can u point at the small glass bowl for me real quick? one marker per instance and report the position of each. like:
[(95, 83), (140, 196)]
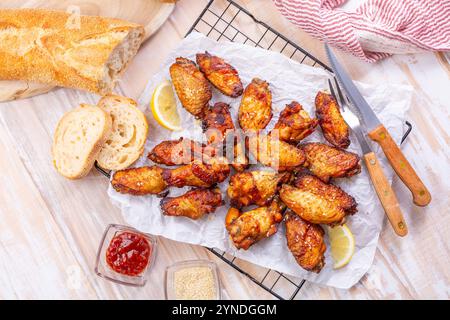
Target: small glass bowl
[(102, 268), (170, 272)]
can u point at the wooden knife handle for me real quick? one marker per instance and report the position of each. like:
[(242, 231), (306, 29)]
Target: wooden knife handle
[(421, 195), (386, 195)]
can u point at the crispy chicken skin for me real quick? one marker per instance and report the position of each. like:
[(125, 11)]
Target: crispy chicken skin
[(255, 187), (217, 122), (193, 204), (198, 174), (221, 74), (249, 227), (327, 162), (255, 110), (191, 86), (139, 181), (294, 123), (181, 151), (316, 201), (153, 180), (275, 153), (305, 241), (241, 161), (334, 128)]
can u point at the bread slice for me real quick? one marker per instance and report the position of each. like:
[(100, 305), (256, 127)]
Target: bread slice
[(53, 47), (129, 132), (78, 140)]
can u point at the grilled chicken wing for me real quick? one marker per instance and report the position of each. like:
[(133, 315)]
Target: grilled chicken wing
[(217, 123), (294, 123), (193, 204), (181, 151), (255, 187), (153, 180), (191, 86), (247, 228), (221, 74), (305, 241), (274, 153), (255, 110), (139, 181), (198, 174), (318, 202), (327, 162), (334, 128)]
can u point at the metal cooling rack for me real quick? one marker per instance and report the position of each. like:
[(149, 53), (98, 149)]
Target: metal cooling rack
[(225, 20)]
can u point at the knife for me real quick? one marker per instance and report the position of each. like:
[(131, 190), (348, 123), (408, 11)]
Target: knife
[(378, 133), (380, 183)]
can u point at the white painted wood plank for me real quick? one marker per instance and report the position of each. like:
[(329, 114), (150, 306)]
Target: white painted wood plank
[(36, 261)]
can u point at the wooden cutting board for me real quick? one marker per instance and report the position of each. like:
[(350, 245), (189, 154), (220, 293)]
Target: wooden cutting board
[(150, 13)]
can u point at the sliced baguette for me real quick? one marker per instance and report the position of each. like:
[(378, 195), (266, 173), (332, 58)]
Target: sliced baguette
[(56, 48), (78, 140), (129, 132)]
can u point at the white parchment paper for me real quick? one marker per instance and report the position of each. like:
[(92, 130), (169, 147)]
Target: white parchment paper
[(289, 81)]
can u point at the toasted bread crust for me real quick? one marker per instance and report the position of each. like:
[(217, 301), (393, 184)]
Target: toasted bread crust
[(52, 47)]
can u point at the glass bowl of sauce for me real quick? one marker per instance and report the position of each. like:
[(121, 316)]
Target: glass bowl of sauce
[(125, 255)]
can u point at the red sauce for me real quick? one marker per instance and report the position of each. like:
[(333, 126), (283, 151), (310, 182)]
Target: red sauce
[(128, 253)]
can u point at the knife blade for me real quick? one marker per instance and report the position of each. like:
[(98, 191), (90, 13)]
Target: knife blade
[(369, 117), (378, 133)]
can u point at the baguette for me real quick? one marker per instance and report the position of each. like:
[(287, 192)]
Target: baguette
[(125, 143), (78, 139), (52, 47)]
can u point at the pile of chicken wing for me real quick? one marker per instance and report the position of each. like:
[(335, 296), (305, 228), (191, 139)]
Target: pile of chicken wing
[(297, 187)]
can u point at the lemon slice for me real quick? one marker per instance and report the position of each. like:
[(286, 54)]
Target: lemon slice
[(342, 245), (164, 107)]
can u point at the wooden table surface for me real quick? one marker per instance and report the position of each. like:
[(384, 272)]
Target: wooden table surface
[(50, 227)]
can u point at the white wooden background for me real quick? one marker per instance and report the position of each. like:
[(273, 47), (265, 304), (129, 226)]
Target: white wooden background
[(50, 227)]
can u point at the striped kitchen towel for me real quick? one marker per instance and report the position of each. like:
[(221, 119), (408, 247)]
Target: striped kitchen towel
[(377, 28)]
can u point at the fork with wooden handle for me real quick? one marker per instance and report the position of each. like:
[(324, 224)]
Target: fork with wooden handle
[(386, 194), (381, 184), (378, 133)]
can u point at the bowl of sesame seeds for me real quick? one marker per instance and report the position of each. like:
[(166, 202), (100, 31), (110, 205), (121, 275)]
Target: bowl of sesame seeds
[(193, 280)]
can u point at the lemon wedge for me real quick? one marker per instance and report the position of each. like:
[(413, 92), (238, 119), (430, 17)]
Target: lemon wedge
[(342, 245), (164, 107)]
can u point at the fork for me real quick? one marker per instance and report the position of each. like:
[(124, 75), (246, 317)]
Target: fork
[(381, 184)]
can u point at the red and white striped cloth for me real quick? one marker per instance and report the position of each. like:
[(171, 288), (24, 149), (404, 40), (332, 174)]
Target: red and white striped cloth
[(377, 28)]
